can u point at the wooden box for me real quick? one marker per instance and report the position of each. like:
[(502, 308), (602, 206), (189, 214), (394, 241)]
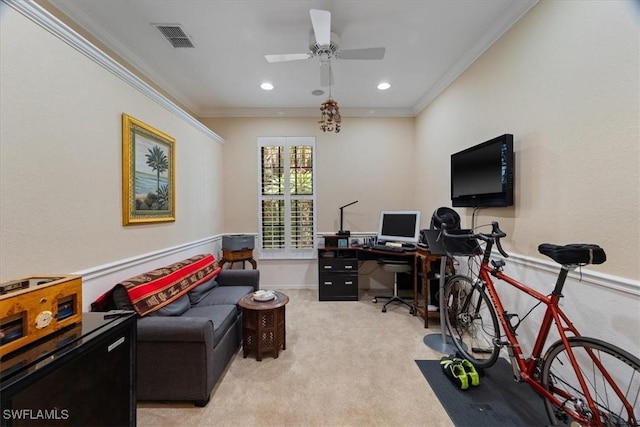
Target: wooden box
[(34, 307)]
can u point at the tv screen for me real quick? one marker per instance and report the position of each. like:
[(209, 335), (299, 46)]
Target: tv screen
[(482, 175), (399, 226)]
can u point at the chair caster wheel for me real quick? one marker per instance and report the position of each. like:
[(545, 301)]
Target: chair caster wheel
[(384, 310), (374, 300)]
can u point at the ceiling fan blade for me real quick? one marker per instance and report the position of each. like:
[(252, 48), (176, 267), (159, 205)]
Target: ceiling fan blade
[(326, 76), (368, 53), (287, 57), (321, 21)]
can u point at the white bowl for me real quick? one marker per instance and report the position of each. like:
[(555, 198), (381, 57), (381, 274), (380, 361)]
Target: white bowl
[(263, 295)]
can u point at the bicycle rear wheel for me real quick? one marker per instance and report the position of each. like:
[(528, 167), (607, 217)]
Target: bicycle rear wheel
[(472, 321), (613, 409)]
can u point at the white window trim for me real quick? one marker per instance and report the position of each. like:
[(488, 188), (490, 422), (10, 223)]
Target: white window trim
[(287, 253)]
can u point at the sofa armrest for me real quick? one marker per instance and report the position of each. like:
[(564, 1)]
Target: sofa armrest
[(175, 329), (239, 278)]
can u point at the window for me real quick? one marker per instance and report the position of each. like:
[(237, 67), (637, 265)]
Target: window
[(287, 199)]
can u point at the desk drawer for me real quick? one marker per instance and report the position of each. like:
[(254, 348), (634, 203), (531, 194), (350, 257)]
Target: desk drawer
[(328, 265), (338, 287)]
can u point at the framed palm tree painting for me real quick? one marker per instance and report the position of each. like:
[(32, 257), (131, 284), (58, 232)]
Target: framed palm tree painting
[(148, 174)]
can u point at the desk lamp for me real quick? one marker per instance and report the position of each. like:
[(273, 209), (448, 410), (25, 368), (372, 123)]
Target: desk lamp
[(343, 232)]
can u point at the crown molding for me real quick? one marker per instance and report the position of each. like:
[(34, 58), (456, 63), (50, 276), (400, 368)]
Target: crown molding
[(517, 10), (53, 25), (305, 112)]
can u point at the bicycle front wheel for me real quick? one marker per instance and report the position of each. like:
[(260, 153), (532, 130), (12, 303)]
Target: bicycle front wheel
[(472, 321), (612, 377)]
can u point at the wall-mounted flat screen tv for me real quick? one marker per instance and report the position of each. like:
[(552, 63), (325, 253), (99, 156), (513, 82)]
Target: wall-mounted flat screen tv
[(482, 175)]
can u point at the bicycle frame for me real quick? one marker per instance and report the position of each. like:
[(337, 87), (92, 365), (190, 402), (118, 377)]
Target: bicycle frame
[(527, 368)]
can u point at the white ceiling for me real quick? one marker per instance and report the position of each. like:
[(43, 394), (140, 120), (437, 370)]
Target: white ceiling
[(428, 44)]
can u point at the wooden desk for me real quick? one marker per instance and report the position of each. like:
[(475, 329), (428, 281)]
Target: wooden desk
[(237, 256), (338, 274), (338, 270)]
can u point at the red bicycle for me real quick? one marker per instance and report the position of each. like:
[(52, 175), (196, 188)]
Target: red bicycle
[(584, 381)]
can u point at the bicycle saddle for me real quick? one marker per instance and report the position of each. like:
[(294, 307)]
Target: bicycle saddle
[(574, 253)]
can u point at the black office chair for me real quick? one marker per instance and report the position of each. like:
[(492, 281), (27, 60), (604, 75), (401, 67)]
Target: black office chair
[(395, 267)]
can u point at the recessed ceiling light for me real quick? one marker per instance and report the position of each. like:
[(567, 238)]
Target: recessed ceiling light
[(317, 92), (266, 86), (384, 86)]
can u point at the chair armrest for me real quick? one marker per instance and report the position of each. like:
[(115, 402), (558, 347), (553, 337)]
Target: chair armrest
[(239, 278), (175, 328)]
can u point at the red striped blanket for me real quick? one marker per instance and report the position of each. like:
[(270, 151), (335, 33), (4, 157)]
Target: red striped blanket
[(155, 289)]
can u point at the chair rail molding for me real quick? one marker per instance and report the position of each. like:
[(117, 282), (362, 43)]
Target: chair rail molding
[(609, 281), (99, 279)]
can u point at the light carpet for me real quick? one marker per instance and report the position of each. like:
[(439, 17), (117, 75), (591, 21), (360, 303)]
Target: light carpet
[(346, 364)]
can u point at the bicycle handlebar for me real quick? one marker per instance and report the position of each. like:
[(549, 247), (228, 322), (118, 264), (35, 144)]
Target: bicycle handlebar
[(494, 237), (498, 234)]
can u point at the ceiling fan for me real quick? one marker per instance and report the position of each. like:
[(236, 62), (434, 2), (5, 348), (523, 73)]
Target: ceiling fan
[(325, 45)]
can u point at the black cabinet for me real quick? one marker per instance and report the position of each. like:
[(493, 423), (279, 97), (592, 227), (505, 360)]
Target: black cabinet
[(81, 375), (337, 274)]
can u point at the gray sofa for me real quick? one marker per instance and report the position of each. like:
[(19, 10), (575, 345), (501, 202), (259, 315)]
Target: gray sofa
[(184, 347)]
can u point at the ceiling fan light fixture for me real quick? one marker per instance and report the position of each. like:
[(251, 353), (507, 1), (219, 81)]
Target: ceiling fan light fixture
[(384, 86), (266, 86)]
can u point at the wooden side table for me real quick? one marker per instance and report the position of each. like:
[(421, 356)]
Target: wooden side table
[(237, 256), (263, 325)]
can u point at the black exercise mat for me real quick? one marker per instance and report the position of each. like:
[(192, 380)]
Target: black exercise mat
[(497, 401)]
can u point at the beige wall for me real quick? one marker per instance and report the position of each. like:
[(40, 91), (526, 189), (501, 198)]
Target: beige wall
[(60, 161), (574, 114), (351, 166), (565, 82)]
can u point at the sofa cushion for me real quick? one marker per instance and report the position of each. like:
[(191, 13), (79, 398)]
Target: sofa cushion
[(222, 316), (176, 308), (225, 295), (199, 292)]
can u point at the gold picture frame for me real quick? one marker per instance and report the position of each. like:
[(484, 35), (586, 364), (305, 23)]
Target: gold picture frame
[(148, 174)]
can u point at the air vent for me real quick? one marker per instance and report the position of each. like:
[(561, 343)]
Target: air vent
[(176, 36)]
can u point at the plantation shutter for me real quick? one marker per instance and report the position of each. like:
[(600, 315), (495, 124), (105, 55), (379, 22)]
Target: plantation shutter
[(287, 197)]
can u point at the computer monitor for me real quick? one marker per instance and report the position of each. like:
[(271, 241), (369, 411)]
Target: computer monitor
[(399, 226)]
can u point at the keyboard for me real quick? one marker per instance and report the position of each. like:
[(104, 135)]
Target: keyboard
[(387, 248)]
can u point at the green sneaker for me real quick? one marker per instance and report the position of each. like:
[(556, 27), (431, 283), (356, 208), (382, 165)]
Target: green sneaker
[(455, 372), (471, 372)]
